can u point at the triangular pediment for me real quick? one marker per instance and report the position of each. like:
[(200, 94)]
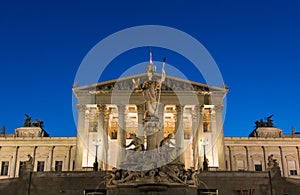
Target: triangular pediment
[(127, 84)]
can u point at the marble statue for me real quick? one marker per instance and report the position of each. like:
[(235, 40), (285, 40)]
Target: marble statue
[(167, 141), (160, 162), (272, 163), (151, 90), (137, 142)]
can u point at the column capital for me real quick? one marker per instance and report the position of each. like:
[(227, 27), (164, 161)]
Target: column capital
[(199, 109), (101, 108), (161, 108), (140, 108), (81, 107), (69, 147), (121, 108), (179, 108), (219, 107), (51, 148), (107, 112)]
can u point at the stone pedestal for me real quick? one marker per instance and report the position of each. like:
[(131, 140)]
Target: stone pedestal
[(30, 132), (152, 127)]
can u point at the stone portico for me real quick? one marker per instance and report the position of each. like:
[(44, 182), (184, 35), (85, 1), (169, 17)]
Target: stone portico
[(109, 111)]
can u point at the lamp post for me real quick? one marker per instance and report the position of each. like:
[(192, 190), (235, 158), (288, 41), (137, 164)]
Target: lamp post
[(96, 143), (205, 163)]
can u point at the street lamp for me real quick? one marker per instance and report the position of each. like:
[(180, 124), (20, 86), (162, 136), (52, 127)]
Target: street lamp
[(96, 143), (205, 163)]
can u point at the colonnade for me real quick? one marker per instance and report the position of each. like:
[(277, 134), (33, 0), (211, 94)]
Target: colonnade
[(103, 116)]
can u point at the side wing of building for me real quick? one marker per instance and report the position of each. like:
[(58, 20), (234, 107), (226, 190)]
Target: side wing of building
[(47, 153)]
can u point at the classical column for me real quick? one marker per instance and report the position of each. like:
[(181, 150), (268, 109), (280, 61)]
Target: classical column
[(199, 112), (105, 137), (140, 115), (160, 133), (101, 134), (220, 137), (121, 133), (179, 132), (195, 128), (247, 158), (14, 163), (80, 137)]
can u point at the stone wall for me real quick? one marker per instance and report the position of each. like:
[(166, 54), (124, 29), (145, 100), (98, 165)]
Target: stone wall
[(76, 182)]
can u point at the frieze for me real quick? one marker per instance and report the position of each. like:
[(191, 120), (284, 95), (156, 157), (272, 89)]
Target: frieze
[(169, 85)]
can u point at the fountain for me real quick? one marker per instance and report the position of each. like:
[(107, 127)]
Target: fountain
[(157, 167)]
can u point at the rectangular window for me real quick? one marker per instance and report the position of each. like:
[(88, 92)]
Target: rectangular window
[(58, 166), (4, 167), (206, 127), (258, 167), (293, 172), (114, 134), (40, 166)]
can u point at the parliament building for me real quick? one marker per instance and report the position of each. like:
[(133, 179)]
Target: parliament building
[(116, 117)]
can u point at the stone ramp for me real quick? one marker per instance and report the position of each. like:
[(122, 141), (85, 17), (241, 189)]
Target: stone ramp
[(44, 183)]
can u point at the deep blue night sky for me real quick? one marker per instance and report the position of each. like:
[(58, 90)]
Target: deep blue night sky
[(256, 45)]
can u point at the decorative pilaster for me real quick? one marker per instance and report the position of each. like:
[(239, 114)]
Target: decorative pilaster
[(230, 157), (80, 137), (121, 133), (283, 162), (34, 154), (68, 158), (106, 135), (220, 136), (265, 157), (15, 160), (247, 158), (50, 160), (179, 132), (298, 159)]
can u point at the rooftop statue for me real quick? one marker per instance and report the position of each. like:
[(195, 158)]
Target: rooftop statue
[(29, 123)]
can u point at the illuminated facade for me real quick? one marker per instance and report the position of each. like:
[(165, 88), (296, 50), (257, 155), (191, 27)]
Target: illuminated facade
[(109, 111)]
